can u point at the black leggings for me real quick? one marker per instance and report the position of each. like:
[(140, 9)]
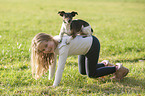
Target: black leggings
[(88, 64)]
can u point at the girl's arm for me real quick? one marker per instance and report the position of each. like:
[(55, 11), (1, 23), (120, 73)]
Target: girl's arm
[(61, 64), (52, 68)]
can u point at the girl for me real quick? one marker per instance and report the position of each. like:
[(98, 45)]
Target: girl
[(45, 49)]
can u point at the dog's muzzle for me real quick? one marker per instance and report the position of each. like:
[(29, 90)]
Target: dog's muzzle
[(67, 21)]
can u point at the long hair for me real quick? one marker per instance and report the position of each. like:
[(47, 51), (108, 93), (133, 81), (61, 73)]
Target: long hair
[(40, 61)]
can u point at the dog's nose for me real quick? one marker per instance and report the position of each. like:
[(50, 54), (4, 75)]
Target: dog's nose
[(69, 21)]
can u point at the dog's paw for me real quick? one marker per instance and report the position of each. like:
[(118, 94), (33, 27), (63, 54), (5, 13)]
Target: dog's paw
[(68, 40), (67, 43), (59, 41), (84, 36), (57, 38)]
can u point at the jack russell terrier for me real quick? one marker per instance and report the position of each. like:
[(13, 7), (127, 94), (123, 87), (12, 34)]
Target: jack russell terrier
[(73, 27)]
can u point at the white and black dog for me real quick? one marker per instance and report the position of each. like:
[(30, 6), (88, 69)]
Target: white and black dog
[(73, 27)]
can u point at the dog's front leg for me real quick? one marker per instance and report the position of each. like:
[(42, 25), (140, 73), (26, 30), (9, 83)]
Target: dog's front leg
[(61, 35)]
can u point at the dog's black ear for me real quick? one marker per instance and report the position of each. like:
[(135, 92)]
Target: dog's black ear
[(74, 13), (61, 13)]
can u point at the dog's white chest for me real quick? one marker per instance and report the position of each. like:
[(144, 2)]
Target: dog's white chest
[(65, 28)]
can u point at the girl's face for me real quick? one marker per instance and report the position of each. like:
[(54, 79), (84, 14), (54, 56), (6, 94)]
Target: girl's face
[(46, 47)]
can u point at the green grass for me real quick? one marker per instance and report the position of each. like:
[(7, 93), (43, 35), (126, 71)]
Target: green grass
[(119, 25)]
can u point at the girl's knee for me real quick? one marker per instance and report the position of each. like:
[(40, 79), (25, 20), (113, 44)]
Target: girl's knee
[(91, 75), (82, 73)]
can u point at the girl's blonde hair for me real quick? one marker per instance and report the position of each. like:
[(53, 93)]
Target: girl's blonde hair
[(39, 61)]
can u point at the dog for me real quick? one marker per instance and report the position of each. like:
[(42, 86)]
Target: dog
[(73, 27)]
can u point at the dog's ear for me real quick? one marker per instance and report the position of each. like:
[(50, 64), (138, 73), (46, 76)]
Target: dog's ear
[(61, 13), (74, 13)]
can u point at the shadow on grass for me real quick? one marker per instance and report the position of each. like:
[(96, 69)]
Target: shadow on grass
[(131, 60), (132, 82), (128, 85)]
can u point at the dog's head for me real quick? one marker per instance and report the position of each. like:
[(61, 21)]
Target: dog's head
[(67, 17)]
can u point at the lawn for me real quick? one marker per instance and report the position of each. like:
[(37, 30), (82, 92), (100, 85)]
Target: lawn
[(118, 24)]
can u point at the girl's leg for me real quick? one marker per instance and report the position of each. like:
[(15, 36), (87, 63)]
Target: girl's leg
[(93, 72), (81, 64), (100, 65), (92, 59)]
